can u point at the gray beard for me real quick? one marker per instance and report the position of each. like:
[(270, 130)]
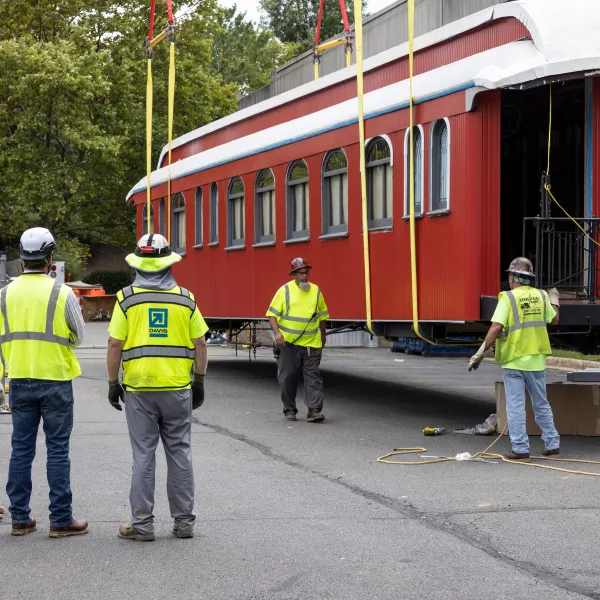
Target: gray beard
[(304, 286)]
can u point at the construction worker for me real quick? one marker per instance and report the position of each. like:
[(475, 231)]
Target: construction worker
[(519, 328), (157, 332), (40, 322), (298, 314)]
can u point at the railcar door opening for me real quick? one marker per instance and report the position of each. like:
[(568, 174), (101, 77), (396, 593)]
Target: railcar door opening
[(554, 244)]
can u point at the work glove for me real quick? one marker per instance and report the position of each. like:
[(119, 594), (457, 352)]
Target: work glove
[(553, 297), (197, 391), (115, 393), (477, 358)]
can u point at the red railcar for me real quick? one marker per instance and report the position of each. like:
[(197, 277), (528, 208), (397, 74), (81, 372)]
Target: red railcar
[(281, 179)]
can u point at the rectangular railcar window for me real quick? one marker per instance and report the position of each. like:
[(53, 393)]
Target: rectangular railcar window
[(335, 193), (440, 166), (297, 201), (418, 171), (178, 225), (235, 201), (198, 217), (379, 183), (265, 207), (214, 214)]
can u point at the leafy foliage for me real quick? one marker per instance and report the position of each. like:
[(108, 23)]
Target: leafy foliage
[(112, 280), (245, 54), (72, 106), (295, 21)]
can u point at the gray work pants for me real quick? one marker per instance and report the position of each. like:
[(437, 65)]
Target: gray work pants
[(293, 361), (168, 416)]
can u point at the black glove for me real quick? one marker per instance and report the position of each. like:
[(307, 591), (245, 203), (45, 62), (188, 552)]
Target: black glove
[(197, 391), (115, 393)]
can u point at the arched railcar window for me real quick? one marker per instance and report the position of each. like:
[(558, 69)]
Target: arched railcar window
[(145, 219), (178, 223), (379, 183), (214, 214), (418, 170), (440, 166), (335, 193), (235, 210), (297, 200), (264, 207), (198, 217)]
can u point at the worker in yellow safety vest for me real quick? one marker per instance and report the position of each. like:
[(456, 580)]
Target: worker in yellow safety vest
[(519, 329), (298, 315), (40, 322), (157, 332)]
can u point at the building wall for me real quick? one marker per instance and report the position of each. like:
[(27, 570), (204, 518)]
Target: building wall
[(383, 30), (501, 31)]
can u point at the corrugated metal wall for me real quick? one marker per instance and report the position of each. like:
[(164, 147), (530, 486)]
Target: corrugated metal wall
[(384, 30)]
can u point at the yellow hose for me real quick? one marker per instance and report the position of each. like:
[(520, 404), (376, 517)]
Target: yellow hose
[(358, 31)]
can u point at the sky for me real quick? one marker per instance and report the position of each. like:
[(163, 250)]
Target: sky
[(251, 6)]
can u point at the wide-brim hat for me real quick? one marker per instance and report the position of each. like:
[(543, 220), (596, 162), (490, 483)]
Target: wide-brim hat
[(153, 264)]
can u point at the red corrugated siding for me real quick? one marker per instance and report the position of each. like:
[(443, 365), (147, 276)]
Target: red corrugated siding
[(489, 105), (483, 38), (241, 283)]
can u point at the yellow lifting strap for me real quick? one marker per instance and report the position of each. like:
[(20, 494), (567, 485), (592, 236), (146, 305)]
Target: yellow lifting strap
[(358, 32), (171, 108)]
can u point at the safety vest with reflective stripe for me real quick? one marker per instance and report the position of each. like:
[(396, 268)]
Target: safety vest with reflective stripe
[(299, 323), (526, 332), (158, 352), (34, 335)]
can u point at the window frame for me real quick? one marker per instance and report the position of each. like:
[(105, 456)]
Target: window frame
[(175, 216), (231, 198), (198, 220), (326, 178), (259, 237), (162, 217), (303, 234), (419, 128), (213, 226), (386, 222), (433, 189), (144, 215)]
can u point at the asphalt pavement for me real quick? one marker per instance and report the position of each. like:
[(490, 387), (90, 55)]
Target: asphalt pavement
[(301, 511)]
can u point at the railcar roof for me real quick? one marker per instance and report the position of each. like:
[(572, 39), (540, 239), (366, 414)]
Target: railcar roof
[(564, 40)]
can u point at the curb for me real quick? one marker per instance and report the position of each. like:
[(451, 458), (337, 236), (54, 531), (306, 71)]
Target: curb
[(571, 363)]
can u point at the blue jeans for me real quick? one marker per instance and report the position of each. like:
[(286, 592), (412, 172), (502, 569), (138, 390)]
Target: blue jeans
[(30, 401), (514, 386)]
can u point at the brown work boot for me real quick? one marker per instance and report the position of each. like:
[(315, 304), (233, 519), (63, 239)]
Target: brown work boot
[(314, 416), (551, 452), (517, 455), (2, 511), (24, 528), (128, 532), (75, 528)]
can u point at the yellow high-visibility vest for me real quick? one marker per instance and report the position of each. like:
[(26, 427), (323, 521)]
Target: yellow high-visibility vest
[(34, 335), (158, 352), (526, 333), (301, 313)]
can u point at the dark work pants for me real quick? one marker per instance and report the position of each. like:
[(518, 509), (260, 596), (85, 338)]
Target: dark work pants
[(294, 360)]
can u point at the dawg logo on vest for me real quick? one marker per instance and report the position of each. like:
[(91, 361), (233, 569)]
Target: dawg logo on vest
[(158, 319), (530, 305)]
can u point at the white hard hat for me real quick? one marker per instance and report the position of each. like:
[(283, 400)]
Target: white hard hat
[(521, 266), (36, 243), (152, 254)]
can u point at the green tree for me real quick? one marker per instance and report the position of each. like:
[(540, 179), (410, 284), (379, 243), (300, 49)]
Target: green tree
[(295, 21), (245, 54), (72, 111)]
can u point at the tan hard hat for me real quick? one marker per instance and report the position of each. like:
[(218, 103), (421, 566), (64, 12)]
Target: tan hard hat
[(298, 263), (521, 266)]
